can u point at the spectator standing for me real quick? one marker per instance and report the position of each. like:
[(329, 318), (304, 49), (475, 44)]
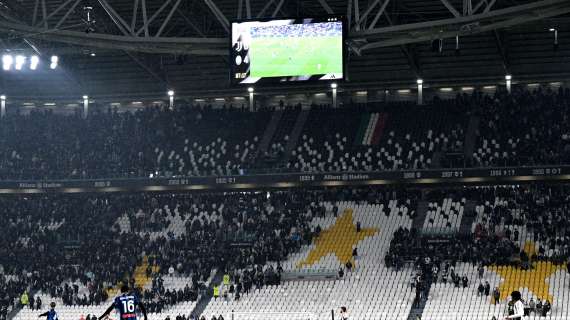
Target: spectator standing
[(480, 289), (487, 288), (481, 271), (546, 308), (24, 299), (216, 292), (496, 295), (532, 305)]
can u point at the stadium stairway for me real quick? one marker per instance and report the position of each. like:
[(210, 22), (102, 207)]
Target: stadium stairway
[(421, 215), (205, 299), (269, 132), (141, 278), (468, 218), (471, 136), (296, 132), (418, 310)]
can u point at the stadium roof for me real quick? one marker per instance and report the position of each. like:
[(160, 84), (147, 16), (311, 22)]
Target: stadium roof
[(183, 44)]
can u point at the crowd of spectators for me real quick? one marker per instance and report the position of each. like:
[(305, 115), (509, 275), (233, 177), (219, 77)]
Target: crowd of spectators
[(109, 144), (508, 219), (61, 245), (521, 128)]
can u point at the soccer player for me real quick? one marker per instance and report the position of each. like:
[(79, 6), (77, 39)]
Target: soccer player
[(126, 304), (51, 314), (516, 307)]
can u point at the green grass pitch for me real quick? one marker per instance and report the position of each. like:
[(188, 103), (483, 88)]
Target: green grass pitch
[(296, 56)]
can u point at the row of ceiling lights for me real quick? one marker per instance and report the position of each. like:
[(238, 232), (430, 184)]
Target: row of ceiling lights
[(333, 86), (19, 61)]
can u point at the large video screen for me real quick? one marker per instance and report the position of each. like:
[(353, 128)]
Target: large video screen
[(287, 50)]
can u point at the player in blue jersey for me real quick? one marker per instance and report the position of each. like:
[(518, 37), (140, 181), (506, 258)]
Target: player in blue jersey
[(51, 314), (126, 305)]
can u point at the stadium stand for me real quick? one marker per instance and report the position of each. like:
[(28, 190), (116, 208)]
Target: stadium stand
[(444, 217), (169, 274), (189, 141), (211, 145), (443, 252), (276, 152), (518, 242), (384, 139), (202, 141), (524, 128), (357, 287), (316, 250), (284, 160)]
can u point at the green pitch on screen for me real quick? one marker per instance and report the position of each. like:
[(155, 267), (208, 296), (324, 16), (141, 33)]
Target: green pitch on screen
[(296, 56)]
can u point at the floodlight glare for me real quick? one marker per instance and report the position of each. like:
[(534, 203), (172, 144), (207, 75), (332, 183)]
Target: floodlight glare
[(250, 89), (2, 97), (85, 97), (508, 77), (170, 93), (54, 62), (20, 60), (420, 81), (334, 85), (7, 61), (34, 61)]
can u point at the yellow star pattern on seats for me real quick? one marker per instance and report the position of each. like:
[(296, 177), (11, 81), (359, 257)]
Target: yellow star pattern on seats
[(338, 240), (535, 279)]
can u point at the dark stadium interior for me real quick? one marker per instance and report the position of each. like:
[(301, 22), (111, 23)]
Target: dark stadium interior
[(431, 182), (524, 50)]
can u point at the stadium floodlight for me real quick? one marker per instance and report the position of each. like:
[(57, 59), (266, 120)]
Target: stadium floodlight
[(54, 62), (2, 106), (334, 85), (509, 79), (20, 60), (171, 98), (555, 37), (7, 61), (34, 61), (250, 89), (420, 83)]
